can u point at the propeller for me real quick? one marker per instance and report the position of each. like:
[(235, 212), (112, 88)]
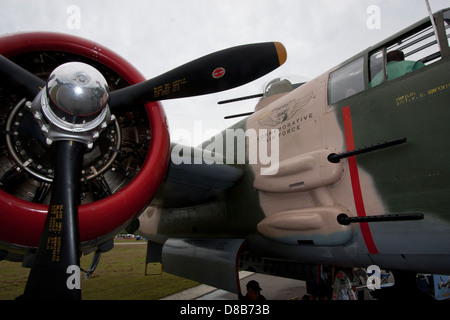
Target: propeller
[(74, 106), (71, 110), (212, 73), (13, 74), (55, 273)]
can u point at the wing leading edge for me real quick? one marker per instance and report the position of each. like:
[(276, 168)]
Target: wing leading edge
[(193, 180)]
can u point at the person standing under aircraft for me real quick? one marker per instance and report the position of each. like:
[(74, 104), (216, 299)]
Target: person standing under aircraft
[(253, 292)]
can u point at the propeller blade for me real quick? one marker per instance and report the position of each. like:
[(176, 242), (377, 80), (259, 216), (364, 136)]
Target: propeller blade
[(17, 76), (215, 72), (56, 269)]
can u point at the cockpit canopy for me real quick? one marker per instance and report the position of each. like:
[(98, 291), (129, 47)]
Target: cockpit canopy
[(412, 49), (282, 85)]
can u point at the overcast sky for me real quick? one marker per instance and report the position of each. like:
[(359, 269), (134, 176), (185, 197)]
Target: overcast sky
[(157, 36)]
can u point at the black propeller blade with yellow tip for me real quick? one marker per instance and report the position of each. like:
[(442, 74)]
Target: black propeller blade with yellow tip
[(212, 73)]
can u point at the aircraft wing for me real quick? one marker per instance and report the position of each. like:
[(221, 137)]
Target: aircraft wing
[(193, 181)]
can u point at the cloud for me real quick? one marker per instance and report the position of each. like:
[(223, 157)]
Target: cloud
[(157, 36)]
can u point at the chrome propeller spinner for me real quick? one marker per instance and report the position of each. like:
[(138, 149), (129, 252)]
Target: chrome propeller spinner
[(73, 104)]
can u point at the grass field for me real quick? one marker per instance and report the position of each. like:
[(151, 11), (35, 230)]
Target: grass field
[(120, 275)]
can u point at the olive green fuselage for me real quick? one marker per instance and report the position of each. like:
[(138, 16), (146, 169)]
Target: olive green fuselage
[(290, 211)]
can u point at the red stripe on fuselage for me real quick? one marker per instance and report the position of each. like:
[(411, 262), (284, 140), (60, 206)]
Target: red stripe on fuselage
[(356, 184)]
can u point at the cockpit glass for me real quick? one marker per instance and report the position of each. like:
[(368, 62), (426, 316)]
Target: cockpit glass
[(277, 85), (346, 81)]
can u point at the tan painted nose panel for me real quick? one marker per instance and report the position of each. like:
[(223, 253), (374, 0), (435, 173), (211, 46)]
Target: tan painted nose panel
[(315, 225)]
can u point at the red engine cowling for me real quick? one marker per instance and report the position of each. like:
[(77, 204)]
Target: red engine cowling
[(22, 221)]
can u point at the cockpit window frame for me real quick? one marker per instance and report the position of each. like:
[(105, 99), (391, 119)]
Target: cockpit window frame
[(346, 81), (414, 35), (420, 45)]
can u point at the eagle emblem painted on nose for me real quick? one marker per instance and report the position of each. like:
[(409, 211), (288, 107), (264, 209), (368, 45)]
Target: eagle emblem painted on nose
[(285, 112)]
